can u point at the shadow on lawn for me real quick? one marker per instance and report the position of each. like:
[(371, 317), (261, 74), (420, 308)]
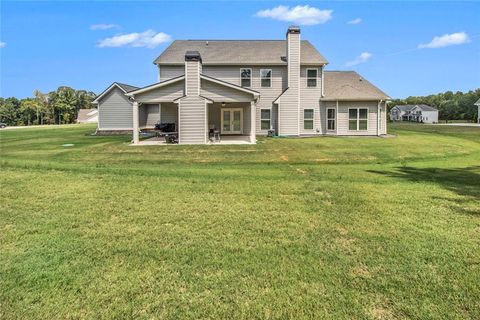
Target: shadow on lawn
[(463, 181)]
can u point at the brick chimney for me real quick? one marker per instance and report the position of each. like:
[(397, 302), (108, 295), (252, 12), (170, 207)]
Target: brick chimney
[(193, 69)]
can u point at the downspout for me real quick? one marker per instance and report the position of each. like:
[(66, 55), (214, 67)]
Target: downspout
[(323, 81), (378, 118)]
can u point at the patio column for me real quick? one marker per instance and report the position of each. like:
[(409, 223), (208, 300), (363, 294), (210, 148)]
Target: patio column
[(135, 123), (253, 117)]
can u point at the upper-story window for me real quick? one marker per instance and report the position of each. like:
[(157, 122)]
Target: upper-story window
[(266, 78), (312, 77), (246, 77)]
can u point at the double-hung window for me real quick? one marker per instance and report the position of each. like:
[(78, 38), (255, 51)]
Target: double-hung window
[(308, 119), (330, 119), (312, 77), (246, 77), (266, 78), (265, 119), (358, 119)]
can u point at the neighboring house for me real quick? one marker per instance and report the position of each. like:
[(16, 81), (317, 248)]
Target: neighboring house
[(87, 116), (478, 114), (246, 87), (415, 113)]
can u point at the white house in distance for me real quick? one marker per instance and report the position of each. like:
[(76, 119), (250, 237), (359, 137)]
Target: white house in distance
[(478, 114), (414, 113)]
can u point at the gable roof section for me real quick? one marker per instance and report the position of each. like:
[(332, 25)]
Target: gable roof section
[(155, 85), (230, 85), (404, 107), (477, 103), (124, 87), (238, 52), (86, 114), (349, 85), (424, 107)]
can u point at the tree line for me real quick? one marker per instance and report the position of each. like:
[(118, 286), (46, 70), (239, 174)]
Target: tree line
[(56, 107), (450, 105)]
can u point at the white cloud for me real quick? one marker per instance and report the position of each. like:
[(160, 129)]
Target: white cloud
[(3, 44), (305, 15), (362, 58), (104, 26), (149, 39), (355, 21), (446, 40)]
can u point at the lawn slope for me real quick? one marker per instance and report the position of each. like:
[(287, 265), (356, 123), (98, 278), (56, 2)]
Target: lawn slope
[(339, 228)]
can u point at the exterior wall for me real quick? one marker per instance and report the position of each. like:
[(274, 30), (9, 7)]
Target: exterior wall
[(396, 114), (342, 118), (310, 97), (231, 74), (289, 106), (169, 72), (192, 78), (167, 93), (149, 115), (115, 111), (192, 127), (169, 113), (430, 116), (383, 116)]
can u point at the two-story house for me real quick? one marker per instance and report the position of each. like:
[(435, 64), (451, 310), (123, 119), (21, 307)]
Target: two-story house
[(246, 88), (415, 113)]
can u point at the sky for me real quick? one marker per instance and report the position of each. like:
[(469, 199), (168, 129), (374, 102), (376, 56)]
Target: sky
[(405, 48)]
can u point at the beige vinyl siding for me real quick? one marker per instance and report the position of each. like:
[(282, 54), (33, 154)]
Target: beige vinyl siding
[(192, 120), (383, 127), (221, 93), (115, 111), (148, 115), (167, 93), (231, 74), (342, 118), (169, 113), (192, 78), (310, 99), (289, 106), (169, 72)]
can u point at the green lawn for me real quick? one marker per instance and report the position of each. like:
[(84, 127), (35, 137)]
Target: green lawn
[(339, 228)]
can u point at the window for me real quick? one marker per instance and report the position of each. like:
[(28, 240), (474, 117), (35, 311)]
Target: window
[(308, 119), (358, 119), (312, 77), (265, 119), (266, 77), (246, 77), (330, 119)]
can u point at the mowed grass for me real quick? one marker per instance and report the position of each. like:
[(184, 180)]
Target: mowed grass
[(317, 228)]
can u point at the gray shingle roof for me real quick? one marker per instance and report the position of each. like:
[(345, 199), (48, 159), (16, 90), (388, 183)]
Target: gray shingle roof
[(349, 85), (238, 52), (409, 107), (86, 114), (127, 87)]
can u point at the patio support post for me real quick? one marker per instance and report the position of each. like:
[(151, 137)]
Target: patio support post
[(253, 116), (135, 123)]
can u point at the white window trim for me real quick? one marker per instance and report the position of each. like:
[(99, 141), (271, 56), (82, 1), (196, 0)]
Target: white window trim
[(251, 77), (334, 119), (265, 119), (271, 78), (309, 119), (306, 77), (358, 118)]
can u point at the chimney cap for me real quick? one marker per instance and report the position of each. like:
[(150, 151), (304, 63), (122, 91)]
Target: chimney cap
[(293, 29), (193, 56)]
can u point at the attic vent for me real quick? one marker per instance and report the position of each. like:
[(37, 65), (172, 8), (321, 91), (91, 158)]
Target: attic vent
[(283, 58)]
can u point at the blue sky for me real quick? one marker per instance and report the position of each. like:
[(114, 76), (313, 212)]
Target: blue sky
[(405, 48)]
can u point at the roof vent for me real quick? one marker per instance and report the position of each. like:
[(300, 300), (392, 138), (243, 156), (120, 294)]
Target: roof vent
[(283, 58), (193, 56)]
